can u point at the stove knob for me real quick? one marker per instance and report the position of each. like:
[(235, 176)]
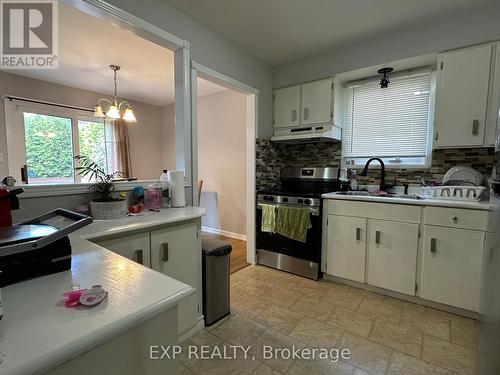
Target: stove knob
[(265, 197), (271, 198), (285, 200), (300, 201), (307, 201)]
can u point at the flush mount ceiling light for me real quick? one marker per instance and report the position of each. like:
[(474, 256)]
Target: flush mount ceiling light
[(115, 111), (384, 81)]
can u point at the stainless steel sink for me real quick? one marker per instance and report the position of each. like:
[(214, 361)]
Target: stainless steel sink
[(368, 194)]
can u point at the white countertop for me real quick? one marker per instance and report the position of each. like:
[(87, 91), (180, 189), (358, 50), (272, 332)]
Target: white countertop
[(37, 332), (476, 205)]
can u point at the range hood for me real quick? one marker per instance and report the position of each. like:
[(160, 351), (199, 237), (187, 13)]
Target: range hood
[(305, 134)]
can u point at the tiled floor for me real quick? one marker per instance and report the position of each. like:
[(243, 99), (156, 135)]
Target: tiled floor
[(384, 335)]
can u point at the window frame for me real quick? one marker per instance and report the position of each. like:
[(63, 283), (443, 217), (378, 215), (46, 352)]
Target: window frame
[(404, 162), (15, 124)]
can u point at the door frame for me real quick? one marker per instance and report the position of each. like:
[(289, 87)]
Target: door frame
[(110, 13), (252, 95)]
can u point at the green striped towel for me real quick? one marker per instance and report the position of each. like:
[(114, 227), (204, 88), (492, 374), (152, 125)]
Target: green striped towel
[(293, 222), (268, 218)]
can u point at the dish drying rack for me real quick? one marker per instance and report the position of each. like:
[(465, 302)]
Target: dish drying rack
[(457, 193)]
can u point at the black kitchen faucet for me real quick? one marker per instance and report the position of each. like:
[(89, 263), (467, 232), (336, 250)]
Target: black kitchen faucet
[(383, 186)]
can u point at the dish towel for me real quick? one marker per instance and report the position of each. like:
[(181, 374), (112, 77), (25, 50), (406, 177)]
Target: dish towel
[(293, 222), (268, 218)]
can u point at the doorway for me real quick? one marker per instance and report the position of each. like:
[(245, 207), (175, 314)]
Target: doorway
[(224, 123)]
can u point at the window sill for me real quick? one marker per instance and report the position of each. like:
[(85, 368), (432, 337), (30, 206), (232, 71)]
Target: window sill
[(48, 190)]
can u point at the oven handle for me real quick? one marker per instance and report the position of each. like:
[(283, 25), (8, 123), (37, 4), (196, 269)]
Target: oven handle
[(314, 210)]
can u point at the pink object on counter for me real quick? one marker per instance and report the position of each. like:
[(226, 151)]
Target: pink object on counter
[(86, 297), (152, 198)]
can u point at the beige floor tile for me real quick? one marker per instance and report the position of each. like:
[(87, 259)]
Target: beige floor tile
[(285, 298), (200, 338), (225, 366), (405, 304), (263, 369), (249, 305), (279, 318), (313, 289), (402, 364), (380, 309), (313, 308), (343, 296), (366, 354), (317, 334), (351, 321), (183, 370), (323, 367), (275, 340), (251, 287), (397, 337), (448, 355), (464, 333), (430, 324), (238, 330)]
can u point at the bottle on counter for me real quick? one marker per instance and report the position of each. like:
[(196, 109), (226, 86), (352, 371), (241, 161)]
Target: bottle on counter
[(152, 198), (165, 189)]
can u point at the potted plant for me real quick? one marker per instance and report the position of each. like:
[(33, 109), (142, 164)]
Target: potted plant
[(107, 205)]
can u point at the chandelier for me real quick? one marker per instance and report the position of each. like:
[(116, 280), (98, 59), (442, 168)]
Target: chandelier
[(115, 110)]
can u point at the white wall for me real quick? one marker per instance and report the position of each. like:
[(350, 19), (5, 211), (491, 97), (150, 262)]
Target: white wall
[(212, 50), (168, 137), (426, 36), (146, 146), (222, 160)]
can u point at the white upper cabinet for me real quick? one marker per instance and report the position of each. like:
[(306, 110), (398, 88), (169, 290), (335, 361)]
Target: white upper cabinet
[(462, 88), (304, 105), (316, 105), (287, 107), (492, 117)]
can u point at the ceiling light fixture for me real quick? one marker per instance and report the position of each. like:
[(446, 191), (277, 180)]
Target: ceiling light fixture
[(114, 111), (384, 81)]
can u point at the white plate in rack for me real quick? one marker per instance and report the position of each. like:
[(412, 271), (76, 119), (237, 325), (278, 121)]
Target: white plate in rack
[(465, 174)]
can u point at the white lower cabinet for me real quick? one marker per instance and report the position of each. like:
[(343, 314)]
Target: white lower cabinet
[(176, 252), (452, 266), (392, 255), (134, 247), (346, 247)]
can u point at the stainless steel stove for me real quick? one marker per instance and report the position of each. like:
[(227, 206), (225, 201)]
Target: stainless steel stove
[(300, 187)]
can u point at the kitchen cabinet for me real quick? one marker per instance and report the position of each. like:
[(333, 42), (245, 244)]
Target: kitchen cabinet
[(462, 94), (134, 247), (346, 247), (316, 104), (304, 105), (392, 255), (287, 107), (452, 266), (176, 252)]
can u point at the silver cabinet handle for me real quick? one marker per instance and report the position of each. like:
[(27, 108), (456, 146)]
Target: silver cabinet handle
[(294, 115), (164, 252), (433, 245), (475, 127), (358, 234), (377, 237), (306, 113), (139, 256)]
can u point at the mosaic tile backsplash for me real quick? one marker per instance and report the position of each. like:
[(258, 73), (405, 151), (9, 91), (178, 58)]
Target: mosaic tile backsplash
[(271, 157)]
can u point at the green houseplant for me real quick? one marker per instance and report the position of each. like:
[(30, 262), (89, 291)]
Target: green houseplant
[(107, 205)]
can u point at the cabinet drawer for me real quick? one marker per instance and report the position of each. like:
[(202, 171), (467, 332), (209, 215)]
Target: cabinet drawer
[(456, 218), (382, 211)]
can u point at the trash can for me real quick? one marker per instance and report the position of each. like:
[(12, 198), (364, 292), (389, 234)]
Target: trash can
[(215, 279)]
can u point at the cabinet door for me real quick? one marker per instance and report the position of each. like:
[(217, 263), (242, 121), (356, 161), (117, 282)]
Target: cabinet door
[(134, 247), (176, 252), (392, 255), (451, 266), (346, 251), (461, 97), (316, 102), (286, 107)]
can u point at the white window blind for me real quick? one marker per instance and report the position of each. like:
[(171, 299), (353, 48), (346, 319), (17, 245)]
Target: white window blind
[(393, 123)]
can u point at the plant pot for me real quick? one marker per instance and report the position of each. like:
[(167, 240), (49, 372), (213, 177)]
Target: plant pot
[(108, 210)]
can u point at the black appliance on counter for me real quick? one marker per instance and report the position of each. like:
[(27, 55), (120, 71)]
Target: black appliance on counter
[(300, 187)]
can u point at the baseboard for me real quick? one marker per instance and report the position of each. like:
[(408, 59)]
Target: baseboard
[(224, 233), (200, 324)]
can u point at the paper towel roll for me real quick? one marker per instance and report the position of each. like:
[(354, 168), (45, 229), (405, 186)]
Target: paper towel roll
[(177, 188)]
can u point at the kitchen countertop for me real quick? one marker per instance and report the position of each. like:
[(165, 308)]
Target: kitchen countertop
[(476, 205), (38, 333)]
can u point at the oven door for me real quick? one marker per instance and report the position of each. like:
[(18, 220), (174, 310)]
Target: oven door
[(308, 251)]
